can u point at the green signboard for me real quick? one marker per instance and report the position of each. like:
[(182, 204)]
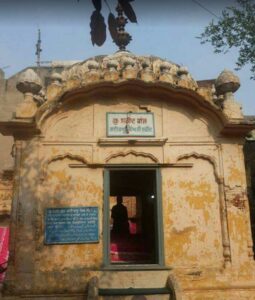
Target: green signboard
[(130, 124)]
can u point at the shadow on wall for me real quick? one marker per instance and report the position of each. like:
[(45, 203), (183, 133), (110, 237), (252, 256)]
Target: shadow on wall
[(249, 152)]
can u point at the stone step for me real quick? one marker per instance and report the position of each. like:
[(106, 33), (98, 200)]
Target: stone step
[(137, 297), (136, 294)]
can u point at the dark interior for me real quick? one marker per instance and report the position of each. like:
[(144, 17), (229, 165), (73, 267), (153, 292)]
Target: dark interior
[(139, 245)]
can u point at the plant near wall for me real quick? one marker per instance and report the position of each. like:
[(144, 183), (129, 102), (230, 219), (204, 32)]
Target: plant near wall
[(115, 24), (235, 28)]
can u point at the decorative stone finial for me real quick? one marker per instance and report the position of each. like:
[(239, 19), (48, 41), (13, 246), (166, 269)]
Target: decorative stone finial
[(56, 78), (165, 72), (111, 72), (182, 72), (93, 73), (123, 38), (112, 64), (119, 67), (227, 82), (130, 70), (147, 73), (54, 89), (145, 64), (128, 62), (92, 65), (165, 67), (29, 82), (30, 85)]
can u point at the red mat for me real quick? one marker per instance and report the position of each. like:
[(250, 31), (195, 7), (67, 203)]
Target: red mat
[(130, 249), (4, 250)]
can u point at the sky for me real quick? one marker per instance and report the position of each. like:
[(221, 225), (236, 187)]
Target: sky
[(166, 28)]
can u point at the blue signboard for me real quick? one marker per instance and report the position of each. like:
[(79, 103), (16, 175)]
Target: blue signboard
[(71, 225)]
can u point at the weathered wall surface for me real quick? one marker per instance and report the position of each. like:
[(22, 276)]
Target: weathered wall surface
[(6, 192), (65, 187), (193, 238), (61, 152), (206, 239)]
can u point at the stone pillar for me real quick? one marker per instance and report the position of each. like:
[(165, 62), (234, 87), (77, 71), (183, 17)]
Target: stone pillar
[(29, 84)]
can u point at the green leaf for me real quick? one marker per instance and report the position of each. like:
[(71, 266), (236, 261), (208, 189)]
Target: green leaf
[(98, 28), (234, 29)]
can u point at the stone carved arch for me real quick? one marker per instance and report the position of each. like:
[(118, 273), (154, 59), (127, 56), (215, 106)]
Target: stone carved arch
[(209, 158), (203, 120), (159, 89), (52, 159), (134, 153), (222, 200), (55, 119)]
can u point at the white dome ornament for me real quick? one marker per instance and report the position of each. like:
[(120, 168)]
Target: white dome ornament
[(111, 73), (147, 72), (226, 85), (30, 85), (165, 72), (56, 78), (93, 71)]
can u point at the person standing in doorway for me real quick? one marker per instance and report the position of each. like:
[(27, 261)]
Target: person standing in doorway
[(120, 218)]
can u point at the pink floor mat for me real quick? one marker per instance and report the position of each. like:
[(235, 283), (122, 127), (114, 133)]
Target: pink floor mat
[(131, 249), (4, 250)]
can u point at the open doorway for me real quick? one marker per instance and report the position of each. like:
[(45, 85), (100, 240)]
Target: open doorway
[(133, 223)]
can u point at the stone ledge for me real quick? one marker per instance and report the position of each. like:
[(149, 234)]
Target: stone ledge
[(127, 141)]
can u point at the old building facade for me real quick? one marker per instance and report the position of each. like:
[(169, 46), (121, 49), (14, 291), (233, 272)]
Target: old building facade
[(139, 128)]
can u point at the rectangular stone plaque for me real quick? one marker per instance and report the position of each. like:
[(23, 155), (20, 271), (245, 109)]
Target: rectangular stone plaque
[(130, 124), (71, 225)]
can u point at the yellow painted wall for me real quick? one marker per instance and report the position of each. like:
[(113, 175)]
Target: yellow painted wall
[(198, 199)]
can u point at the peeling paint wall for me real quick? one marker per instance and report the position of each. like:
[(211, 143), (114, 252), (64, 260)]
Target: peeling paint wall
[(192, 216), (65, 187), (6, 192), (207, 240)]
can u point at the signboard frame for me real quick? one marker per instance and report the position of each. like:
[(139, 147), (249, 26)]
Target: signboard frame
[(127, 114), (62, 242)]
